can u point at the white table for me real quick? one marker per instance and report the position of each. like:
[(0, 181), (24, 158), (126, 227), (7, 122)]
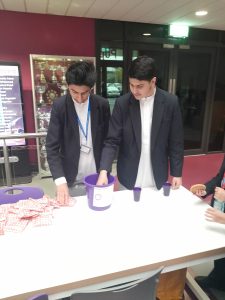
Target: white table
[(85, 247)]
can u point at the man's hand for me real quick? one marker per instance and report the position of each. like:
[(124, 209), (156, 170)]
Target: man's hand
[(176, 182), (102, 178), (219, 194), (214, 215), (200, 193), (62, 194)]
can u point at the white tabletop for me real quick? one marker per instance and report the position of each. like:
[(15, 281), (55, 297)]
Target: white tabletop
[(85, 247)]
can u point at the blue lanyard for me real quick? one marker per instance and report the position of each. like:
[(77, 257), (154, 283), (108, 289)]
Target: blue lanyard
[(87, 122)]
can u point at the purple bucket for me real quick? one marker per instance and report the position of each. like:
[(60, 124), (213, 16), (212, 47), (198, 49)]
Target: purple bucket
[(99, 197)]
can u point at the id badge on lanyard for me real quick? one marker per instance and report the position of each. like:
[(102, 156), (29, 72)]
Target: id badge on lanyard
[(84, 148)]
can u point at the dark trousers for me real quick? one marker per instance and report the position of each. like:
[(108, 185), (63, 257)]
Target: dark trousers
[(218, 274)]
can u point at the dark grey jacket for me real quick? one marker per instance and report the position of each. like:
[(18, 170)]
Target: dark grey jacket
[(215, 181), (63, 140), (124, 136)]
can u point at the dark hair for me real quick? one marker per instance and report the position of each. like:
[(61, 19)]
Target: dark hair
[(81, 73), (142, 68)]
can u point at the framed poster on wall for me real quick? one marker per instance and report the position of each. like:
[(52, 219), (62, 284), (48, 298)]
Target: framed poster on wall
[(11, 103), (12, 122), (48, 83)]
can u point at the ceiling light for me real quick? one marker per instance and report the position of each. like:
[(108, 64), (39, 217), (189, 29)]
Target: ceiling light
[(201, 13), (146, 34)]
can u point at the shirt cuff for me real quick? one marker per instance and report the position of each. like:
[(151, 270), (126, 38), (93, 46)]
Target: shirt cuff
[(60, 180)]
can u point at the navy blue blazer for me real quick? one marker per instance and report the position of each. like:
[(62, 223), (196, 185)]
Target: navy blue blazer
[(63, 139), (124, 137), (215, 181)]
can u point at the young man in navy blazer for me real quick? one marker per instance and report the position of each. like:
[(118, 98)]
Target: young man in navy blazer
[(77, 129), (146, 131)]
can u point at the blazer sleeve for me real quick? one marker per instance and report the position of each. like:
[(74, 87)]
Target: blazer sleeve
[(113, 139), (54, 136), (176, 142), (106, 115), (215, 181)]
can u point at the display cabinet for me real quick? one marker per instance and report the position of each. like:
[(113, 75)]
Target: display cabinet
[(48, 83)]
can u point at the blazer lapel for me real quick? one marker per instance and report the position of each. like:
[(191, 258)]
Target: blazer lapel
[(157, 116), (135, 114), (72, 117)]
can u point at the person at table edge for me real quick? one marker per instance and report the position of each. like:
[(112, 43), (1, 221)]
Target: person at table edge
[(146, 131)]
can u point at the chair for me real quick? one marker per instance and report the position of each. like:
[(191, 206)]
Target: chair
[(139, 289), (25, 192), (39, 297)]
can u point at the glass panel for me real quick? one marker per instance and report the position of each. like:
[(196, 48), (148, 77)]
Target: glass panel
[(23, 160), (217, 131), (111, 54), (114, 86), (192, 83)]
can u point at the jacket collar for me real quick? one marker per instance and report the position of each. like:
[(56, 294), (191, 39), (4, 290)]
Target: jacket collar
[(135, 113), (158, 110)]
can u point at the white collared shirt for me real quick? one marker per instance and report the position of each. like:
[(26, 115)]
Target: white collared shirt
[(145, 176), (86, 164)]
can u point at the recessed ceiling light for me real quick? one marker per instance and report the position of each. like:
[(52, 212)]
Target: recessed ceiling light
[(201, 13), (146, 34)]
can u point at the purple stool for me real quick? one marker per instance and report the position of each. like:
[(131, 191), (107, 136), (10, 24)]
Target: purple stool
[(25, 193), (39, 297)]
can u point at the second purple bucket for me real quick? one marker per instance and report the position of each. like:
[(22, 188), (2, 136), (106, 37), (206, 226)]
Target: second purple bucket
[(99, 197)]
